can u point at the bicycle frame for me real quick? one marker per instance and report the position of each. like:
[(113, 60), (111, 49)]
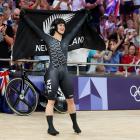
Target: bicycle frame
[(25, 77), (24, 86)]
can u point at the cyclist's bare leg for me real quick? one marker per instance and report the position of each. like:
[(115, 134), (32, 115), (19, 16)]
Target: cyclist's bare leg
[(71, 106), (49, 108)]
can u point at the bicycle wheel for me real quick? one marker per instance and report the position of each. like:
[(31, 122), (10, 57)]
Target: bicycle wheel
[(60, 104), (22, 99)]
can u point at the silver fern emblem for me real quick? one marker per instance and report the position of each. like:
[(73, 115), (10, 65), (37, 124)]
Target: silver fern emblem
[(47, 23)]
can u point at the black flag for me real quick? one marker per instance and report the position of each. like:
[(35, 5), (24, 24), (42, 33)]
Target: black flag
[(34, 24)]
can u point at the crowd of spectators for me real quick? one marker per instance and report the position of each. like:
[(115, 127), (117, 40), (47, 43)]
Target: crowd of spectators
[(120, 32)]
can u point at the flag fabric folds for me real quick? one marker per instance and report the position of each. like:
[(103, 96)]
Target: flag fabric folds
[(113, 7), (35, 24), (4, 79)]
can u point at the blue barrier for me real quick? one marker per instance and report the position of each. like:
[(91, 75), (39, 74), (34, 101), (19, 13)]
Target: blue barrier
[(102, 93)]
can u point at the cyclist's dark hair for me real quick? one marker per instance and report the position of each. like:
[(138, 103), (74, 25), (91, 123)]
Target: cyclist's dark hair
[(54, 25)]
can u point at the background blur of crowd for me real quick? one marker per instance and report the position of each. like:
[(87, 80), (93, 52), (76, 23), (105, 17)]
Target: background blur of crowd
[(118, 22)]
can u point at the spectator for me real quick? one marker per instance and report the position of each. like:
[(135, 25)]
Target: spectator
[(78, 5), (103, 28), (45, 5), (6, 39), (7, 13), (17, 3), (96, 6), (23, 4), (111, 25), (14, 20), (130, 31), (34, 5), (6, 7), (95, 56), (50, 2), (12, 4), (130, 26), (1, 2), (118, 33), (62, 5), (112, 55), (128, 58), (39, 4)]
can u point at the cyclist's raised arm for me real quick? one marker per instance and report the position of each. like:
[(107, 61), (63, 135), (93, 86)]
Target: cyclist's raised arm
[(46, 37), (71, 35)]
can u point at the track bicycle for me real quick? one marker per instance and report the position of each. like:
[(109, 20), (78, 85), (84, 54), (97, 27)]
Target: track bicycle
[(22, 95)]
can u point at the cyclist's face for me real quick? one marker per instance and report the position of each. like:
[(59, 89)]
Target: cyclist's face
[(61, 28)]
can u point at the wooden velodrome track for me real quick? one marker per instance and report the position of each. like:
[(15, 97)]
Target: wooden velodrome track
[(95, 125)]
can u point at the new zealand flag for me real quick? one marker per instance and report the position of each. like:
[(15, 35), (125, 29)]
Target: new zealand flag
[(36, 23)]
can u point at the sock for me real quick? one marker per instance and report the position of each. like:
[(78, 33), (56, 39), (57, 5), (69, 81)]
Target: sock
[(51, 129), (74, 121)]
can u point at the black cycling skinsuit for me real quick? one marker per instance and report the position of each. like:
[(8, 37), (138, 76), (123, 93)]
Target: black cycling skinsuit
[(57, 73)]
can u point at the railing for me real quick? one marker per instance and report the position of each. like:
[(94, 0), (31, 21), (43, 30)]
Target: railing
[(77, 64)]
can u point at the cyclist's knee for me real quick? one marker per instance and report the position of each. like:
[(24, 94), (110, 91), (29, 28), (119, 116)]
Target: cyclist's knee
[(70, 101)]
